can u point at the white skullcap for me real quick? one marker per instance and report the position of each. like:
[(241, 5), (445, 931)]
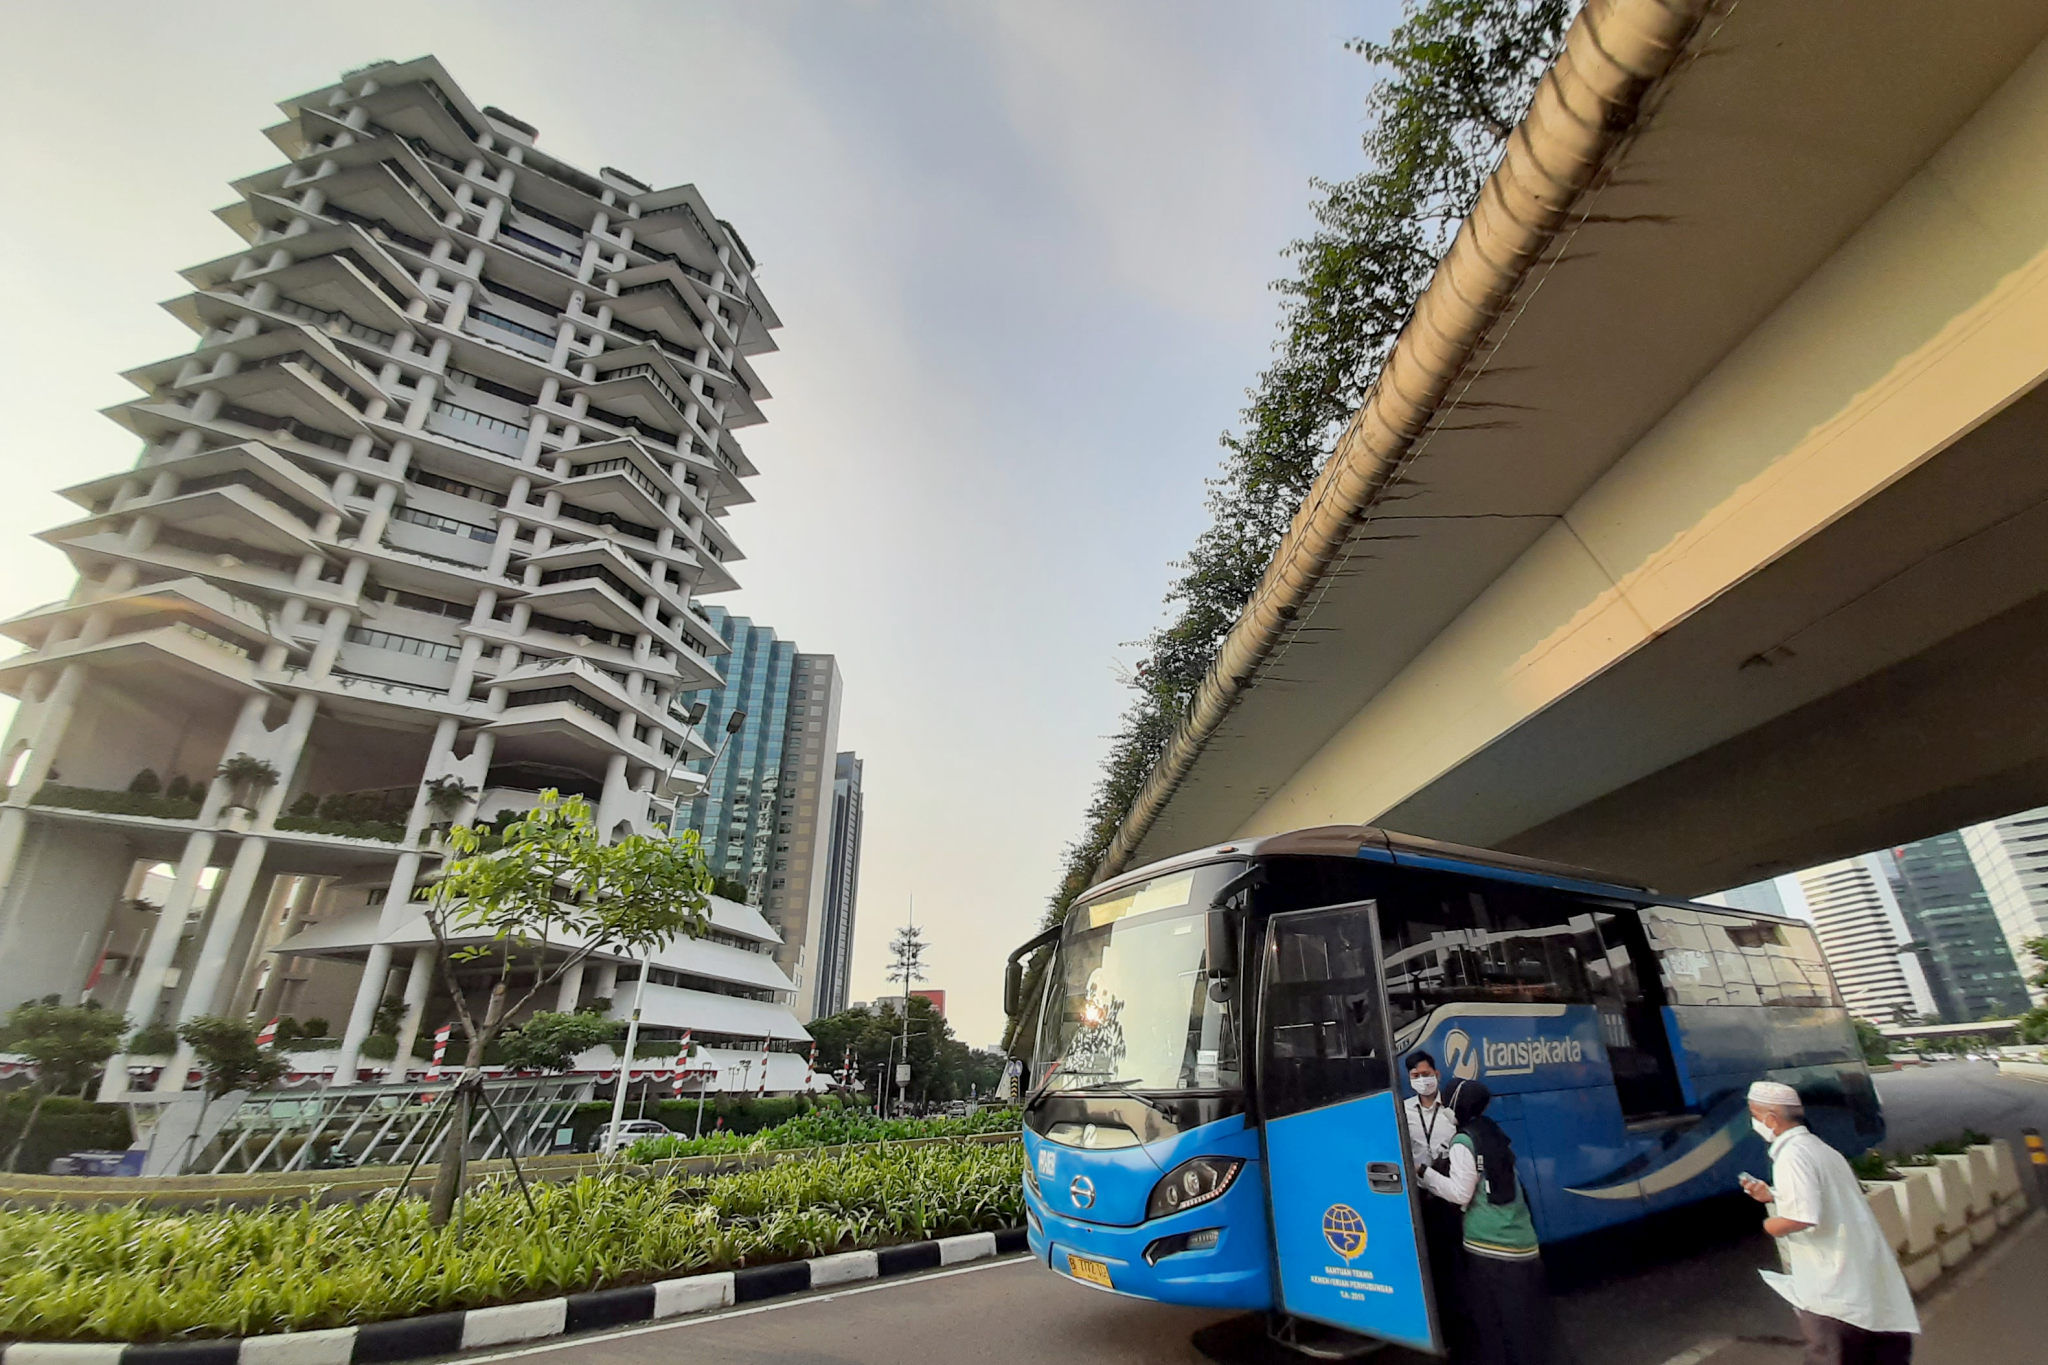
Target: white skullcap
[(1774, 1092)]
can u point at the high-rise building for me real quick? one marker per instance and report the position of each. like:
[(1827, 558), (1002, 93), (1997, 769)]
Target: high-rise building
[(734, 813), (1969, 968), (2011, 857), (765, 812), (416, 531), (1863, 934), (842, 887), (1761, 897)]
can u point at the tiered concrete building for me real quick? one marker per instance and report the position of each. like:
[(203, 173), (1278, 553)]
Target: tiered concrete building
[(417, 530)]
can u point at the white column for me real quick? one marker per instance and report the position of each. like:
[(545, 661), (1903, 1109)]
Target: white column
[(369, 991), (205, 982), (147, 995), (419, 983), (571, 988)]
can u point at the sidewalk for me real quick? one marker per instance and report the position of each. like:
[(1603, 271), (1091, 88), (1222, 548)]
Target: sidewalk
[(1990, 1315)]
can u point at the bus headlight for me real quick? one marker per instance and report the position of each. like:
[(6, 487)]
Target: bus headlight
[(1192, 1183)]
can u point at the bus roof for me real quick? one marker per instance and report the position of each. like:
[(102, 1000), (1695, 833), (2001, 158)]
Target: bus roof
[(1410, 850)]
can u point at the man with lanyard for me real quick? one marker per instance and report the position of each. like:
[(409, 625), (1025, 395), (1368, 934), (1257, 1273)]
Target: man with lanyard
[(1845, 1284), (1431, 1126)]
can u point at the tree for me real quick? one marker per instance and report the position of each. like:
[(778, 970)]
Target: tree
[(229, 1059), (1876, 1047), (1460, 74), (542, 892), (549, 1041), (906, 956), (68, 1044)]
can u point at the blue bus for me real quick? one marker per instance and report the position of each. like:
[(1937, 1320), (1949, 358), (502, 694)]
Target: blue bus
[(1215, 1108)]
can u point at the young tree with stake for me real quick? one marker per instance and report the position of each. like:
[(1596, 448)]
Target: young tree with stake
[(546, 884), (68, 1044)]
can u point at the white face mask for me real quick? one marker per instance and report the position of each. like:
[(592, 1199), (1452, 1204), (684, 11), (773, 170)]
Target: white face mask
[(1424, 1085), (1763, 1130)]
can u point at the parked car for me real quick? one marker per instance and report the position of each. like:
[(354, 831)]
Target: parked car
[(630, 1131)]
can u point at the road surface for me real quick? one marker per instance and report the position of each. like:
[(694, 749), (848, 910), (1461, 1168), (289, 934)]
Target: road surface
[(1016, 1312)]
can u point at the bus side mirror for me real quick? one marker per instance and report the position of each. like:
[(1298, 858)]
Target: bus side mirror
[(1013, 988), (1222, 946)]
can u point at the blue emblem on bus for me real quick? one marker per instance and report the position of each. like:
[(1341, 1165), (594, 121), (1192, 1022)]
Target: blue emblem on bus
[(1344, 1230)]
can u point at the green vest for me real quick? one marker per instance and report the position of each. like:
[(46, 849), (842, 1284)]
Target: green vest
[(1505, 1230)]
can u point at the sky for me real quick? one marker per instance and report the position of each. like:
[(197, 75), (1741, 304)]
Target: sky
[(1022, 254)]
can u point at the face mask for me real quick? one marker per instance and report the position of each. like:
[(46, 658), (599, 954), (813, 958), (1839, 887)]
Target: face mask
[(1424, 1085), (1763, 1130)]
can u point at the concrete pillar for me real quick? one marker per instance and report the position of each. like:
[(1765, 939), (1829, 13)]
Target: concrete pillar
[(369, 991), (332, 632), (607, 987), (203, 987), (419, 984), (303, 897), (289, 750), (147, 995), (571, 988)]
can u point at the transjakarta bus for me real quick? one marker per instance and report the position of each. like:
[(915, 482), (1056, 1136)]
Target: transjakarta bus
[(1216, 1115)]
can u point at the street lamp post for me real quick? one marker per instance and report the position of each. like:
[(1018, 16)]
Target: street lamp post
[(611, 1141)]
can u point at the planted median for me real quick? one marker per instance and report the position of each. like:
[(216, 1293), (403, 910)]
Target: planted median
[(133, 1274)]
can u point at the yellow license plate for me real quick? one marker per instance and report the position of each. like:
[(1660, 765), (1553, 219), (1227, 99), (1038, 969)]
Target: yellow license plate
[(1094, 1272)]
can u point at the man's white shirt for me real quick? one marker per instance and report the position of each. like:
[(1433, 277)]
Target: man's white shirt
[(1842, 1267), (1429, 1132)]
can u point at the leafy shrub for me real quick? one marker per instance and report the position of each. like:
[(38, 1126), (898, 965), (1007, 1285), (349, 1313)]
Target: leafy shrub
[(316, 1027), (67, 1124), (131, 1273), (146, 783), (183, 788), (306, 807), (1874, 1165), (154, 1041), (390, 832), (116, 803), (380, 1047), (827, 1128)]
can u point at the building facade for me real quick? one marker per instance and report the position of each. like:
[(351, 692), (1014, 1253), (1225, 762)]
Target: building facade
[(1864, 938), (2011, 858), (417, 530), (765, 813), (1970, 971), (842, 886)]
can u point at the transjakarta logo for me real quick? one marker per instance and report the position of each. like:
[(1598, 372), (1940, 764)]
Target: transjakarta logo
[(1465, 1059)]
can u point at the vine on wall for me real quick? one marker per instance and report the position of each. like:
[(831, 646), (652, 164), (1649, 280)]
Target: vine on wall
[(1459, 76)]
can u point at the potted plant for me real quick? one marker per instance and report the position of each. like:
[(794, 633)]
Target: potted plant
[(247, 779), (446, 796)]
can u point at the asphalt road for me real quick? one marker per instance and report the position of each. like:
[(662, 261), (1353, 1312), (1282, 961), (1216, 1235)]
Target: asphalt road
[(1008, 1312)]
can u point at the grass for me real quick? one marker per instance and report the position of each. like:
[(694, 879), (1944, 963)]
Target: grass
[(133, 1274)]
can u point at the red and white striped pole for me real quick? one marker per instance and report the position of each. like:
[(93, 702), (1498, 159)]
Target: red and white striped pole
[(762, 1089), (440, 1050), (682, 1064), (267, 1035), (811, 1066)]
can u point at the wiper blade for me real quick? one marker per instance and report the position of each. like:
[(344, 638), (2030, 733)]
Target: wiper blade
[(1124, 1088)]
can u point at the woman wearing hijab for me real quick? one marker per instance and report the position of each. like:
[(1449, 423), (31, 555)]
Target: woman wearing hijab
[(1506, 1305)]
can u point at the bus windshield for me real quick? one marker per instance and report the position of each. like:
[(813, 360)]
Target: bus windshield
[(1132, 1005)]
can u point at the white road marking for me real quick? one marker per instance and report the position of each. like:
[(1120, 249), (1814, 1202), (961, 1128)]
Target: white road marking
[(580, 1340)]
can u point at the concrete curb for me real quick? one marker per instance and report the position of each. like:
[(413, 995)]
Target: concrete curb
[(440, 1334)]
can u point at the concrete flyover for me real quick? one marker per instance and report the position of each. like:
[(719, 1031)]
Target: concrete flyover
[(1726, 550)]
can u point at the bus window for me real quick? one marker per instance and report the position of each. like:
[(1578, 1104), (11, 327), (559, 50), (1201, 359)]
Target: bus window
[(1739, 983), (1685, 956), (1322, 1014), (1449, 941)]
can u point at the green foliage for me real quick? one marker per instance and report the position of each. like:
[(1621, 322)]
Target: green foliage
[(550, 1041), (68, 1043), (379, 1047), (2034, 1025), (146, 783), (827, 1128), (247, 775), (1876, 1047), (316, 1027), (134, 1274), (732, 889), (1874, 1165), (446, 795), (226, 1051), (154, 1040), (2036, 950), (1459, 76), (388, 831), (65, 1124), (183, 788), (169, 806), (307, 806), (941, 1066)]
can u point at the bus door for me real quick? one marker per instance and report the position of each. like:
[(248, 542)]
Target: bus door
[(1347, 1244)]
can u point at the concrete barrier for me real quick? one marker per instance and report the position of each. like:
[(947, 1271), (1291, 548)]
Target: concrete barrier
[(2031, 1071), (1920, 1195), (1936, 1216), (1951, 1177), (2009, 1196)]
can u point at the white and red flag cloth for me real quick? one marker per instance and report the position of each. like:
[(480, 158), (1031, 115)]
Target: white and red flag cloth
[(811, 1064), (440, 1048), (267, 1035)]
